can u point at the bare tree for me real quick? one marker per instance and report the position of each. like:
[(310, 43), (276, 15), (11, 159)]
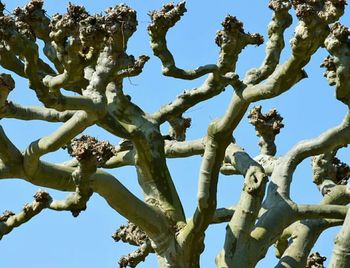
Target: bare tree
[(88, 58)]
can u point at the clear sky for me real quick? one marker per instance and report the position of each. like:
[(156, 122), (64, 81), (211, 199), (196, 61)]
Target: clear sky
[(57, 240)]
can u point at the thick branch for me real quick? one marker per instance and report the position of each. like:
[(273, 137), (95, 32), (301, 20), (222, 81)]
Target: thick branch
[(56, 140), (223, 215), (13, 110), (153, 174), (246, 212), (172, 148), (327, 141), (58, 177), (321, 211), (306, 232), (341, 251), (338, 66), (8, 153), (10, 158)]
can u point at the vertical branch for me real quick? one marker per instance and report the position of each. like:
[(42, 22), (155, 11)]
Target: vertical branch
[(162, 21), (281, 20), (150, 159), (341, 251), (246, 212), (231, 40), (267, 127), (338, 66)]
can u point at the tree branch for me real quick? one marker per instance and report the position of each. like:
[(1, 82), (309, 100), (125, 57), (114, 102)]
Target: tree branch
[(321, 211), (327, 141), (246, 212), (56, 140), (58, 177), (232, 40), (341, 251), (13, 110), (153, 174), (281, 20), (223, 215), (338, 66), (161, 22), (306, 232), (10, 158), (172, 149), (9, 220)]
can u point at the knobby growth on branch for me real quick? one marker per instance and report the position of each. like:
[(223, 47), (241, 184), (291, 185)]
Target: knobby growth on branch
[(88, 57)]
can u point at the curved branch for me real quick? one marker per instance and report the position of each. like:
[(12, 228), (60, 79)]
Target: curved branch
[(161, 22), (13, 110), (9, 154), (338, 45), (56, 140), (281, 20), (211, 87), (232, 40), (306, 232), (277, 202), (327, 141), (58, 177), (9, 220)]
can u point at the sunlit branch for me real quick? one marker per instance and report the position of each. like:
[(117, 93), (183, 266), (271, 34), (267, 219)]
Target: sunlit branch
[(13, 110)]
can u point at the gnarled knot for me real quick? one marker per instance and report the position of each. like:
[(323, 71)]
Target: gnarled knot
[(130, 233), (331, 68), (340, 32), (178, 127), (234, 31), (7, 214), (165, 18), (42, 196), (266, 124), (6, 82), (279, 5), (32, 11), (87, 146), (328, 167), (255, 178), (315, 260), (328, 11)]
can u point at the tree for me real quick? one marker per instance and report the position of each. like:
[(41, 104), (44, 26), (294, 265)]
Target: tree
[(78, 66)]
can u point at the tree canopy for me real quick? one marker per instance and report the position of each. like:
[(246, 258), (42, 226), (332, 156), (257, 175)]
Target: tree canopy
[(148, 115)]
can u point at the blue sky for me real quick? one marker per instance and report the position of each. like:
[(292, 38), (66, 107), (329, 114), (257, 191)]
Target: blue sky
[(57, 240)]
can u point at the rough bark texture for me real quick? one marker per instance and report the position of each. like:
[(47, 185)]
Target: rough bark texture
[(88, 55)]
